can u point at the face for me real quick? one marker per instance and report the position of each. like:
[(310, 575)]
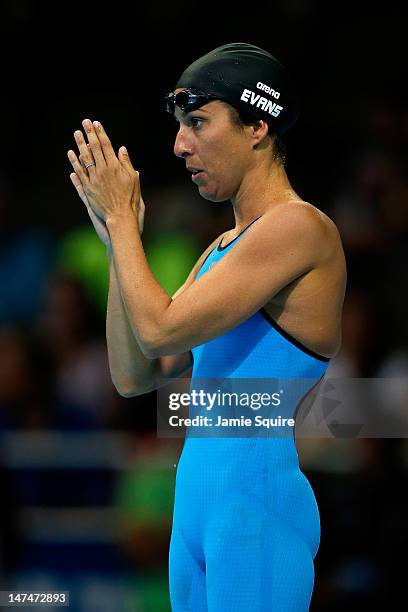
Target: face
[(211, 143)]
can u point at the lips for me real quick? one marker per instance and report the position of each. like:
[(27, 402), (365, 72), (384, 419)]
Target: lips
[(196, 173), (194, 170), (195, 177)]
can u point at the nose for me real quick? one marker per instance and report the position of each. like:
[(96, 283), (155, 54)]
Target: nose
[(182, 144)]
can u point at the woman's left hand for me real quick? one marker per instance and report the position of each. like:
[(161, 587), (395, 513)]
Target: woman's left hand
[(110, 182)]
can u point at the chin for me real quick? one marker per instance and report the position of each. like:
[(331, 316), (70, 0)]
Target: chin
[(213, 197)]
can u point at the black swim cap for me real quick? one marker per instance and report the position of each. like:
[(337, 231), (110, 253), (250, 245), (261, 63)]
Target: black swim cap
[(248, 78)]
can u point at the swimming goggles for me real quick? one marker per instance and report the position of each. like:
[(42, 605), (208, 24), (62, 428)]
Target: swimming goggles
[(187, 100)]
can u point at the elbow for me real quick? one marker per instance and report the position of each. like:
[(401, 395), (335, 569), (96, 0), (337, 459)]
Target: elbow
[(153, 351), (161, 347), (161, 340), (148, 349), (155, 346), (128, 393), (130, 390), (125, 391)]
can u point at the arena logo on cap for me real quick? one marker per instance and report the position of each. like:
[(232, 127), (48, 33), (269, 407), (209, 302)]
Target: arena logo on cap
[(260, 102), (268, 90)]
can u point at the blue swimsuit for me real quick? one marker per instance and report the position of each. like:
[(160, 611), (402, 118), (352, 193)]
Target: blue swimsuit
[(246, 524)]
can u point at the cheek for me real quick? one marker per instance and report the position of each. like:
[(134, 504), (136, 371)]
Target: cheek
[(225, 161), (230, 168), (224, 158)]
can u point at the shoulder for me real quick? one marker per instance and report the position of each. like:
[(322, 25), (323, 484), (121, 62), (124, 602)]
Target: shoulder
[(301, 223), (324, 230), (289, 232), (298, 214)]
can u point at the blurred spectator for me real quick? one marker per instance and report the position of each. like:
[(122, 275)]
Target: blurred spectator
[(145, 493), (392, 268), (73, 333), (25, 258), (355, 207), (25, 382), (352, 361), (81, 255)]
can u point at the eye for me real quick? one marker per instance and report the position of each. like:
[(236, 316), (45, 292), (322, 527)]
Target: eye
[(196, 122)]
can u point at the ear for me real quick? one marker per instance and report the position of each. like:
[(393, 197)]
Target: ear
[(259, 131)]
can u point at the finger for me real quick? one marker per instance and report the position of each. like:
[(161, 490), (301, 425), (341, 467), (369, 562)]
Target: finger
[(77, 183), (124, 158), (104, 141), (78, 186), (78, 169), (94, 143), (85, 155), (89, 161)]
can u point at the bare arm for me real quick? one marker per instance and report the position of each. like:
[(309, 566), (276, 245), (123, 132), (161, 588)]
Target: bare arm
[(283, 245), (132, 373)]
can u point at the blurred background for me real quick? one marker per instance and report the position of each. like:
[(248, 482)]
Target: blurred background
[(87, 487)]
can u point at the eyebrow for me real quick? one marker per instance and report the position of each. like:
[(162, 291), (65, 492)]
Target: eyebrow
[(186, 114)]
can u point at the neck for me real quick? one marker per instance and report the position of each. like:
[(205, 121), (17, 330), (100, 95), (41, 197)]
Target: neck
[(264, 186)]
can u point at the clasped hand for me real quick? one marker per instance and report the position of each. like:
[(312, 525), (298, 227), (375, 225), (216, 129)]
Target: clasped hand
[(110, 183)]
